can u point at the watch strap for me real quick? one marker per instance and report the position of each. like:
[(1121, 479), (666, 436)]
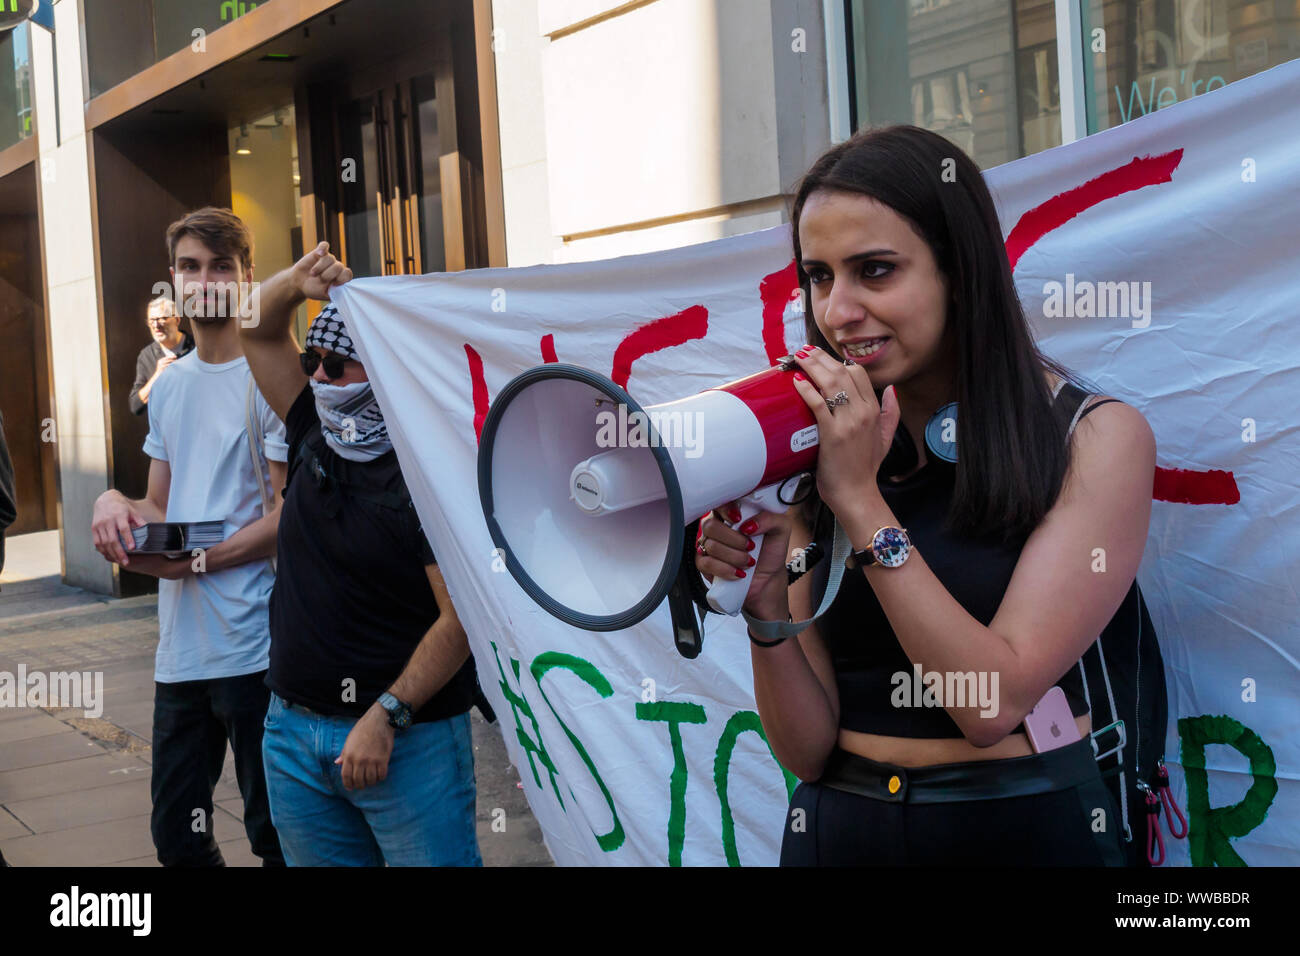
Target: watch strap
[(861, 559)]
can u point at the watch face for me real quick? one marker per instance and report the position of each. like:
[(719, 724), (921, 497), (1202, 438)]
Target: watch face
[(399, 715), (891, 546)]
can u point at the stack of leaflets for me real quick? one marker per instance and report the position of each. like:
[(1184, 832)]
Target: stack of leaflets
[(176, 538)]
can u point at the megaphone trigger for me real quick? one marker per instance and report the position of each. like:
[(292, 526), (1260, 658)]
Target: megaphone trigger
[(726, 595)]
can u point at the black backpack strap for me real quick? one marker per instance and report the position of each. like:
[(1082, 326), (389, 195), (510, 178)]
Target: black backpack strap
[(1069, 403), (1072, 404), (1096, 405)]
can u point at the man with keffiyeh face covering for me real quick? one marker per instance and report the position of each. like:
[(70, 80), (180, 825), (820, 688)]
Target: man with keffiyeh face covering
[(367, 737), (350, 418)]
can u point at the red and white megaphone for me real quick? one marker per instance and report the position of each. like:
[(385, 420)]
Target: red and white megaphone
[(587, 494)]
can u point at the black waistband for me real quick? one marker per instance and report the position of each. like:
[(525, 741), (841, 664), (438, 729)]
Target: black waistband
[(1047, 772)]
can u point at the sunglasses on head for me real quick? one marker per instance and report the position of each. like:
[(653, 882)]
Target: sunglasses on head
[(332, 361)]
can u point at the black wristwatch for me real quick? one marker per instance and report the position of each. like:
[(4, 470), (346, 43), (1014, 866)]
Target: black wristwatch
[(889, 548), (399, 714)]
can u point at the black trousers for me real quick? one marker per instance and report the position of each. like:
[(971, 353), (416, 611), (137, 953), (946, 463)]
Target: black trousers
[(1050, 809), (192, 720)]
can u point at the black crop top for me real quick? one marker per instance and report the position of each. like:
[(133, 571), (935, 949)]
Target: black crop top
[(864, 650)]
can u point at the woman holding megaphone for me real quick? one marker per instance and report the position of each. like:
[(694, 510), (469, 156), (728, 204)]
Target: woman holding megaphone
[(935, 713)]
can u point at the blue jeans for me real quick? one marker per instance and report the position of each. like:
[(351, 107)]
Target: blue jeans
[(421, 814)]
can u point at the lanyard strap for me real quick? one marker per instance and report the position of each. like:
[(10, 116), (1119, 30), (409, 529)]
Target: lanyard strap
[(780, 630)]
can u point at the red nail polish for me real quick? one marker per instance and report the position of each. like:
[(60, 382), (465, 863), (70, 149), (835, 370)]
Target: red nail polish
[(750, 546), (752, 562), (739, 573), (749, 527), (801, 354), (733, 514), (798, 377)]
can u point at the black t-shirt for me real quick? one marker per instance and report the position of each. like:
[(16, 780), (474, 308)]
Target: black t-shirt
[(351, 599), (146, 363), (865, 651)]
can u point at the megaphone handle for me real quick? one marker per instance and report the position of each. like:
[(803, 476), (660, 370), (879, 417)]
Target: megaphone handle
[(726, 596)]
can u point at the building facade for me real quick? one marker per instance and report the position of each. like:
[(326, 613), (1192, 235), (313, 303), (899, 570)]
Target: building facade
[(367, 123), (434, 135)]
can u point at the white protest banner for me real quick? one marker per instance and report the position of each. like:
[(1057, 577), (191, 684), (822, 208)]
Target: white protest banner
[(1157, 259)]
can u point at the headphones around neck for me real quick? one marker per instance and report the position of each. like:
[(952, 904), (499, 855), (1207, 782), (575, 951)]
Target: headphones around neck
[(940, 442)]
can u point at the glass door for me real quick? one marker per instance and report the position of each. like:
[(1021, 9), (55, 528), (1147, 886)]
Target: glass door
[(428, 180), (391, 187)]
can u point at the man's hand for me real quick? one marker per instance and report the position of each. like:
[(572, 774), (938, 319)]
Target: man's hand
[(367, 749), (317, 271), (162, 363), (161, 566), (110, 526)]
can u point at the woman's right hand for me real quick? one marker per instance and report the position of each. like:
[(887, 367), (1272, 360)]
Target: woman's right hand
[(731, 554)]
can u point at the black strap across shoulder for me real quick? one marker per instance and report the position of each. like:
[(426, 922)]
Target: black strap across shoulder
[(1071, 400)]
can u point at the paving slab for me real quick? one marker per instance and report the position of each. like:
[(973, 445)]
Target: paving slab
[(31, 555), (11, 827), (226, 790), (71, 775), (239, 853), (93, 845), (54, 748), (224, 821), (135, 716), (45, 584), (28, 725), (125, 684), (41, 602), (83, 807), (9, 715)]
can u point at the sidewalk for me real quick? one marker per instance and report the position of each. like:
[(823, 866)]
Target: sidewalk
[(74, 790)]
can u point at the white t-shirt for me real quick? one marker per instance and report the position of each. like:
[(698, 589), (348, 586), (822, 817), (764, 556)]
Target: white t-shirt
[(212, 624)]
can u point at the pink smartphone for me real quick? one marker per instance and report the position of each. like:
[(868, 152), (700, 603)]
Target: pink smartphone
[(1050, 724)]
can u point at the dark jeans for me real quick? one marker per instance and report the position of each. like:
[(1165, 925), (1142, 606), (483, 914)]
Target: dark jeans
[(192, 720)]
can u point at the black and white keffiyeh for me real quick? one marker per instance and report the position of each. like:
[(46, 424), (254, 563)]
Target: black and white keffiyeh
[(349, 415), (329, 332)]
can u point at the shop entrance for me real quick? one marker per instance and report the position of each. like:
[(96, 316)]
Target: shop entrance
[(392, 200), (30, 428), (401, 190)]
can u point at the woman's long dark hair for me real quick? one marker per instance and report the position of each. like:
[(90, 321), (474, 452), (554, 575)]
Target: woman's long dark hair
[(1012, 457)]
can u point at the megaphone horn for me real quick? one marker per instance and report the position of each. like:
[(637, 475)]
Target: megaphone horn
[(587, 494)]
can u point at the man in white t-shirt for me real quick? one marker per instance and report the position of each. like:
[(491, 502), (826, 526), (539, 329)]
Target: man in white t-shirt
[(212, 605)]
